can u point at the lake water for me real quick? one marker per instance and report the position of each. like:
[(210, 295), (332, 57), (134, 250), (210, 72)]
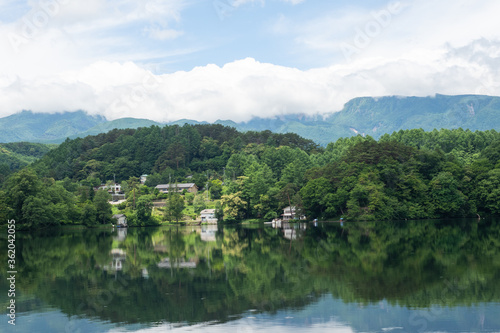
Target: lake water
[(422, 276)]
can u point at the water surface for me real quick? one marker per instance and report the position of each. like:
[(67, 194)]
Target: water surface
[(422, 276)]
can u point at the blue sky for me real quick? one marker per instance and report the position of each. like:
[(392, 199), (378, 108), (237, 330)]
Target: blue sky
[(235, 59)]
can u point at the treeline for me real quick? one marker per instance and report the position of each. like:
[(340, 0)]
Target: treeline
[(120, 154), (410, 174), (41, 202)]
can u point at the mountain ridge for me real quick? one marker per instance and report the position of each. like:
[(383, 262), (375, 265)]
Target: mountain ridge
[(372, 116)]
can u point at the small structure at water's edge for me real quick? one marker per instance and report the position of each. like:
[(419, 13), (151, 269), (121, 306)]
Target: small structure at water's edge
[(289, 213), (208, 216), (121, 220)]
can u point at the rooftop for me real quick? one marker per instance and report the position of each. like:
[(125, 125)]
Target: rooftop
[(185, 185)]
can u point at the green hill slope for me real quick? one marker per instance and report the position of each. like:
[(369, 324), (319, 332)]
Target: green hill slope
[(121, 123), (16, 155), (43, 127), (377, 116)]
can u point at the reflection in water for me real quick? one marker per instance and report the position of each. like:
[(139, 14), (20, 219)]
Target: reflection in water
[(208, 232), (118, 258), (121, 234), (166, 263), (401, 277)]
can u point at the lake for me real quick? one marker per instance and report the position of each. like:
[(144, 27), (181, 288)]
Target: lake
[(410, 276)]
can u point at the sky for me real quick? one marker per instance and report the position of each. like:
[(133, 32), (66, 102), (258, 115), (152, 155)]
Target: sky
[(205, 60)]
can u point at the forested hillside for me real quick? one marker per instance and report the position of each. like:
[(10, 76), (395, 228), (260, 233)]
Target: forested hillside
[(16, 155), (409, 174), (178, 150)]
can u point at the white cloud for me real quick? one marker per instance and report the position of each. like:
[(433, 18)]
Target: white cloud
[(238, 3), (246, 88), (163, 34), (92, 23), (392, 30), (78, 60)]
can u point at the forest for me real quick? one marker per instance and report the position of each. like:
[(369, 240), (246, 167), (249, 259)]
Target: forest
[(17, 155), (409, 174)]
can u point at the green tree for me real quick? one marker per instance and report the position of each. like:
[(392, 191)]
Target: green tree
[(446, 198), (131, 189), (144, 208), (257, 181), (89, 215), (37, 212), (103, 207), (234, 206), (215, 188), (174, 208), (189, 197), (488, 192), (199, 203), (20, 186), (219, 211), (313, 196)]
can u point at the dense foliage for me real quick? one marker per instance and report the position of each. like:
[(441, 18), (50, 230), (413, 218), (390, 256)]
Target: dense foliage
[(16, 155), (125, 153), (410, 174)]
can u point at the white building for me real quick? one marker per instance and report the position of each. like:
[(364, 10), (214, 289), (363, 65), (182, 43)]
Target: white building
[(121, 219), (113, 188), (208, 216), (190, 187), (289, 213)]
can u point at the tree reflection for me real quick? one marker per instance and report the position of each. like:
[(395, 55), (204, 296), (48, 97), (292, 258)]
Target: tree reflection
[(221, 275)]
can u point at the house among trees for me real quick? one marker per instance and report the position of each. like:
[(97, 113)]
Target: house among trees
[(112, 188), (121, 220), (115, 190), (190, 187), (143, 179), (289, 213), (208, 216)]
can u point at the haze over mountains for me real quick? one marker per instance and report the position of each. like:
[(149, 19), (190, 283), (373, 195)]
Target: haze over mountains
[(364, 115)]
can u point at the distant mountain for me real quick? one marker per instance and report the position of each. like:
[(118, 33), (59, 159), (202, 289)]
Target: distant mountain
[(365, 115), (121, 123), (27, 126), (377, 116), (44, 127)]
